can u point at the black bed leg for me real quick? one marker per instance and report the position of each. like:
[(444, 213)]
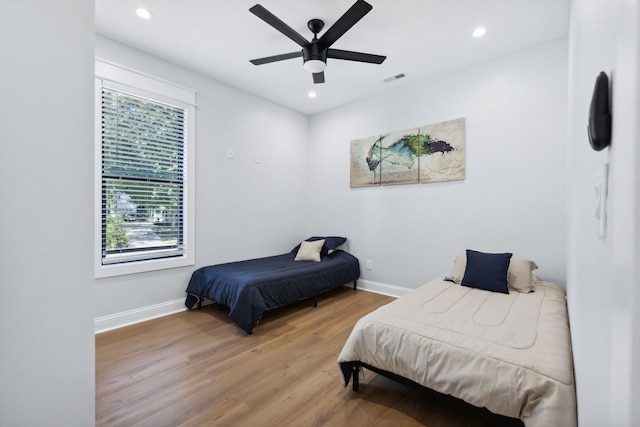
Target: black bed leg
[(354, 284), (315, 300), (356, 378)]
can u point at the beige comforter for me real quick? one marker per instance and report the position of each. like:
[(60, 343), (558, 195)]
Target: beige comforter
[(510, 353)]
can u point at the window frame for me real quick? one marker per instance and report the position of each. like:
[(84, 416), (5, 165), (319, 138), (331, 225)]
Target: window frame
[(115, 77)]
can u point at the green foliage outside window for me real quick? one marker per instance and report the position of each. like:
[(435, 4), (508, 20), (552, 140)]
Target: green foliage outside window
[(116, 234)]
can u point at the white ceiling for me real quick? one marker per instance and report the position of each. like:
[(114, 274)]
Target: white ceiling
[(420, 38)]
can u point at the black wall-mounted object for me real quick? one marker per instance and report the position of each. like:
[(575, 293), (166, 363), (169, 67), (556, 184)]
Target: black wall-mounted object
[(600, 114)]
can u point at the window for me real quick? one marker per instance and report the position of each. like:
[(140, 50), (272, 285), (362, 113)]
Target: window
[(143, 177)]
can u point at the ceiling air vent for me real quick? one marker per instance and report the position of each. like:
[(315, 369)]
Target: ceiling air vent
[(396, 77)]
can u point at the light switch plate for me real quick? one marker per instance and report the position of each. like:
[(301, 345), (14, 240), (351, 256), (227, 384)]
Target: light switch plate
[(601, 188)]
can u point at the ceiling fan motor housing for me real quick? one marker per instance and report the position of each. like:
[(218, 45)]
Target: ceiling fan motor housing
[(313, 51)]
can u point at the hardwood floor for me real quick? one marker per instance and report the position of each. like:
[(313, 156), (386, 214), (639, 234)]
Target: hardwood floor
[(197, 368)]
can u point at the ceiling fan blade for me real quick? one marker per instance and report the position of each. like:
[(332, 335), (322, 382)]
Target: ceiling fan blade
[(346, 21), (275, 58), (355, 56), (276, 23), (318, 77)]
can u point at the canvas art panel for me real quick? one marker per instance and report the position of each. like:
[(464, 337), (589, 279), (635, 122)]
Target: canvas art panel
[(365, 162), (443, 152), (430, 153)]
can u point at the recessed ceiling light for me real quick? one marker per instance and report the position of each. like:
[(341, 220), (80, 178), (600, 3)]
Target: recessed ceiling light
[(479, 32), (311, 94), (143, 13)]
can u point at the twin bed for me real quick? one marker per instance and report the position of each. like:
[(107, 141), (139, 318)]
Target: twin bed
[(490, 334), (506, 350), (251, 287)]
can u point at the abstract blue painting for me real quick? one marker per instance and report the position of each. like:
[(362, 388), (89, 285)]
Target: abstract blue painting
[(430, 153)]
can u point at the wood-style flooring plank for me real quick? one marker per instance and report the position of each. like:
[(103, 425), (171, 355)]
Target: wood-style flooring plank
[(196, 368)]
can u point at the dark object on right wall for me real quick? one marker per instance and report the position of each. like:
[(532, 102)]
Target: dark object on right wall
[(600, 115)]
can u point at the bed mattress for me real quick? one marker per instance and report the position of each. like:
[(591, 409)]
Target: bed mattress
[(510, 353)]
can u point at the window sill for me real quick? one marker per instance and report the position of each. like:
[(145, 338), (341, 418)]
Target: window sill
[(102, 271)]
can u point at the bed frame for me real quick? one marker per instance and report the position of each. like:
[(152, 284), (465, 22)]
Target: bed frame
[(315, 298), (481, 413)]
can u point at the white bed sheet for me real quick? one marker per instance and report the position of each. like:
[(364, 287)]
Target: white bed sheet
[(510, 353)]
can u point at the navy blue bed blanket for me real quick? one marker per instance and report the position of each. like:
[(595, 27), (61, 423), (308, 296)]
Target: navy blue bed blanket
[(251, 287)]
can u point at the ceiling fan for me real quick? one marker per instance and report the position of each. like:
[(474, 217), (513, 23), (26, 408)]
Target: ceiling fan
[(314, 53)]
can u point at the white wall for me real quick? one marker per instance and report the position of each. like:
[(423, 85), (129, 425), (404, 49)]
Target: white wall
[(513, 197), (602, 273), (46, 281), (243, 209)]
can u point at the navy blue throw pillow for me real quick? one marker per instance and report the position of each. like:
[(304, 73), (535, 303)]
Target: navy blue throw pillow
[(331, 243), (487, 271)]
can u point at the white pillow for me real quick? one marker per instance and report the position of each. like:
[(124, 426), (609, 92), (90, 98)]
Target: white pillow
[(519, 275), (310, 251)]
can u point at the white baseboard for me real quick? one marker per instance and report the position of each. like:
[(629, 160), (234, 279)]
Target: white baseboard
[(126, 318), (382, 288)]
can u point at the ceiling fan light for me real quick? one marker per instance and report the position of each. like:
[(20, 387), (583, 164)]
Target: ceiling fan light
[(315, 66)]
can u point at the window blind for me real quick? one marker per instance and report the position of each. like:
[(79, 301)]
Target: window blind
[(142, 178)]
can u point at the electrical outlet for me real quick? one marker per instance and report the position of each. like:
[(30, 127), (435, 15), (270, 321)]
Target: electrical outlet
[(368, 264)]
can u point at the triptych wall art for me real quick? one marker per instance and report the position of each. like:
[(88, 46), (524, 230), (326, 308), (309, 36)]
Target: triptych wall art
[(431, 153)]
